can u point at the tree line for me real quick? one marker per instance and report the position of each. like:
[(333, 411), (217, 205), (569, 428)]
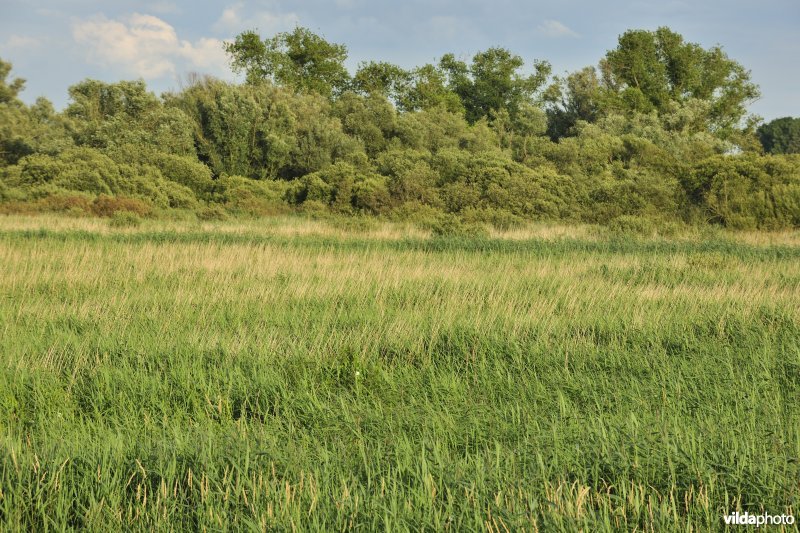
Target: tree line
[(657, 134)]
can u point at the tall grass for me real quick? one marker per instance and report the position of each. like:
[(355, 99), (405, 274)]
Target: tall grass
[(298, 376)]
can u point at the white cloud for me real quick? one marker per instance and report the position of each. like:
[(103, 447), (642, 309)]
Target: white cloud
[(230, 20), (16, 42), (554, 28), (146, 46), (267, 22), (207, 54)]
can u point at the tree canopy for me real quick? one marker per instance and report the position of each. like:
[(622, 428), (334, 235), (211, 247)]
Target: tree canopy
[(652, 70), (656, 134), (298, 59), (781, 136), (493, 82)]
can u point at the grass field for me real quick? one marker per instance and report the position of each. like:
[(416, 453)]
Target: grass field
[(296, 375)]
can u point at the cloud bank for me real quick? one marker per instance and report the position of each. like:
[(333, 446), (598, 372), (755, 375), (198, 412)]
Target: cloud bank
[(146, 46)]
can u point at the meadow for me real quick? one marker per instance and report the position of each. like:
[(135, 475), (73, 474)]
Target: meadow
[(291, 374)]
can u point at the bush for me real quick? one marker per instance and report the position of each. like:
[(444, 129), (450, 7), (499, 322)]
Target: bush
[(125, 219), (748, 192), (353, 223), (632, 225), (176, 169), (310, 188), (107, 206), (422, 215), (260, 207), (499, 218), (315, 209), (212, 212), (254, 197), (449, 225), (70, 203), (86, 170), (343, 188), (179, 196), (371, 195)]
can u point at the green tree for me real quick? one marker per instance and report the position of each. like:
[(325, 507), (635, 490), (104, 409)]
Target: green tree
[(9, 89), (427, 89), (25, 130), (114, 115), (576, 97), (370, 119), (781, 136), (493, 81), (650, 69), (262, 131), (385, 79), (748, 191), (299, 59), (13, 118), (245, 130)]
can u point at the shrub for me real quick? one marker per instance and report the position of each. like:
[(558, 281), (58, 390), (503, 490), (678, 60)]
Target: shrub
[(212, 212), (371, 195), (343, 188), (449, 225), (125, 219), (353, 223), (422, 215), (106, 206), (183, 170), (632, 225), (747, 192), (260, 207), (179, 196), (310, 188), (499, 218), (254, 197), (78, 169), (70, 203), (315, 208), (86, 170)]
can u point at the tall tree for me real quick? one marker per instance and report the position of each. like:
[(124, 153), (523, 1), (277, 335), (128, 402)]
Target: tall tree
[(781, 136), (379, 77), (651, 69), (576, 97), (9, 89), (25, 130), (493, 82), (428, 89), (105, 115), (299, 59)]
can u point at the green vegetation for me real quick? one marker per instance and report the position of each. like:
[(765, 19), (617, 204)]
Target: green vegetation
[(292, 374), (656, 136), (781, 136), (469, 295)]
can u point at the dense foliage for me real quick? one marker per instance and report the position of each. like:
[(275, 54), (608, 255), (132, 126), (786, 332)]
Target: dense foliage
[(657, 134), (781, 136)]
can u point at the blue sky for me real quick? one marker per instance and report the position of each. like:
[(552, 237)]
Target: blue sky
[(54, 44)]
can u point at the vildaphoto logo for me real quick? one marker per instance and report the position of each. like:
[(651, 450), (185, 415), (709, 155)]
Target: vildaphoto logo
[(758, 520)]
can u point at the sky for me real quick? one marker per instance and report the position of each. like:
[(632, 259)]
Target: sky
[(55, 44)]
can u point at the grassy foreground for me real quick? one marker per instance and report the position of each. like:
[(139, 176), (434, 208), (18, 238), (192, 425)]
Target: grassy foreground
[(291, 375)]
